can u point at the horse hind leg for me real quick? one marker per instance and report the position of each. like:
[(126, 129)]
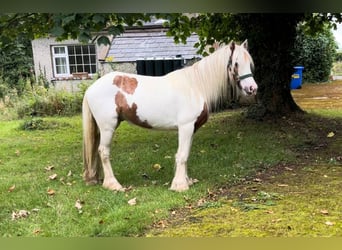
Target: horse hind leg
[(109, 182), (181, 181)]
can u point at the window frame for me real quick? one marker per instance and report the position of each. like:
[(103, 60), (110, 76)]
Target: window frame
[(58, 55), (67, 60)]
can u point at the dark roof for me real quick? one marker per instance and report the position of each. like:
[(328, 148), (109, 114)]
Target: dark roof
[(147, 43)]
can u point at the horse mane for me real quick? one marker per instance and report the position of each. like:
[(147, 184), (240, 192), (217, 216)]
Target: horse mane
[(209, 76)]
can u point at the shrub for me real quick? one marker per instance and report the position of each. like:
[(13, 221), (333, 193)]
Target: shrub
[(39, 101), (41, 124), (49, 102), (316, 53)]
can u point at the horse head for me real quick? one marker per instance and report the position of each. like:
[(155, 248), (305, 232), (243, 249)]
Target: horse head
[(240, 67)]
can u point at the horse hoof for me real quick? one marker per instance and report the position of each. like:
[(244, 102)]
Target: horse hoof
[(91, 182), (114, 187), (179, 187)]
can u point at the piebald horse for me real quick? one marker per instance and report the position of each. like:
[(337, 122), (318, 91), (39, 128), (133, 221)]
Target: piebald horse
[(179, 100)]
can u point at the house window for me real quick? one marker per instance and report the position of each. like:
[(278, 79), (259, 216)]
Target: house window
[(73, 59)]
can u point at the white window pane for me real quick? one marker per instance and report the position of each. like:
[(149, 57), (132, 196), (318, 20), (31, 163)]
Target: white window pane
[(60, 61), (59, 50), (61, 65), (61, 69)]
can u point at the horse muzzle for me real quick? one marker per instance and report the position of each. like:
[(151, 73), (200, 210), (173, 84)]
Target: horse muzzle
[(249, 86)]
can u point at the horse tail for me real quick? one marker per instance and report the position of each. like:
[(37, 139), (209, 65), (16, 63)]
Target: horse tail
[(91, 140)]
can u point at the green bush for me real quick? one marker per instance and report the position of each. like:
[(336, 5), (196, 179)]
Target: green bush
[(49, 102), (316, 53), (39, 101), (41, 124)]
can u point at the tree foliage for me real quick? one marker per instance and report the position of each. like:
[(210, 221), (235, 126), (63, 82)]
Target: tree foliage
[(15, 64), (81, 26)]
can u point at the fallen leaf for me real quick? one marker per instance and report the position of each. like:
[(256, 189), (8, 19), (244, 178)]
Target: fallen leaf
[(157, 167), (324, 211), (329, 223), (167, 157), (36, 231), (162, 224), (11, 189), (36, 210), (233, 209), (288, 169), (128, 189), (257, 180), (193, 181), (283, 185), (331, 134), (53, 177), (132, 202), (17, 152), (49, 168), (20, 214), (78, 204), (51, 192), (69, 174), (200, 202)]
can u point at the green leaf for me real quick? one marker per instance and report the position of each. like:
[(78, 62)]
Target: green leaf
[(68, 19), (84, 37), (98, 18), (57, 31), (116, 30)]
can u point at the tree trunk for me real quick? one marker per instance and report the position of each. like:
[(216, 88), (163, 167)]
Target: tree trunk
[(271, 39)]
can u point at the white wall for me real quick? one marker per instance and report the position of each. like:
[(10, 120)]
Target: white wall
[(42, 55)]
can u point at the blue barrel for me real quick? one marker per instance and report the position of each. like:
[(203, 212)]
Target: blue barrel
[(297, 77)]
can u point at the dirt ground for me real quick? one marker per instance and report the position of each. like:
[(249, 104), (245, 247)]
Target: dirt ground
[(302, 199), (319, 96)]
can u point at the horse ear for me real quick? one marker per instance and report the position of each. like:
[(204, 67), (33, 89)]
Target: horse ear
[(245, 44)]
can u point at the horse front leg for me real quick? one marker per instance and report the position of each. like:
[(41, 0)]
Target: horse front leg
[(181, 181)]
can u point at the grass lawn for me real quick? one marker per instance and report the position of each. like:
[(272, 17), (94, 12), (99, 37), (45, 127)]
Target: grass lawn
[(41, 173), (43, 194), (297, 199)]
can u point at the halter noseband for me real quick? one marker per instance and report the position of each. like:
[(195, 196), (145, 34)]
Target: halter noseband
[(245, 76)]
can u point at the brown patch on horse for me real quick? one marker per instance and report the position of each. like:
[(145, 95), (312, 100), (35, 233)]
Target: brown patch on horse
[(126, 83), (202, 118), (128, 113)]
